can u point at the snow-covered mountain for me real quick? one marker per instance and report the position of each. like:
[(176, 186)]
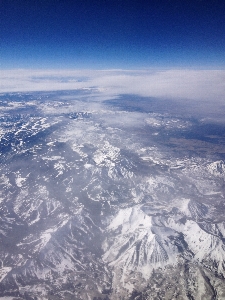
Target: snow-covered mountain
[(96, 206)]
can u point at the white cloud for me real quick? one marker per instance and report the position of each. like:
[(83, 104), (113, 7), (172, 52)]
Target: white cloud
[(176, 84)]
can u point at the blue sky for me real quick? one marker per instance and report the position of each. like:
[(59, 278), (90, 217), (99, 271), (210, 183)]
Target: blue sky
[(112, 34)]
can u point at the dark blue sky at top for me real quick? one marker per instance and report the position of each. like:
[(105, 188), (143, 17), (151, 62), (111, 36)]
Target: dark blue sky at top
[(112, 34)]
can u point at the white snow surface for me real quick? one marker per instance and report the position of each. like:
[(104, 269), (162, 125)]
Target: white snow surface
[(217, 168), (4, 271), (107, 154), (135, 246)]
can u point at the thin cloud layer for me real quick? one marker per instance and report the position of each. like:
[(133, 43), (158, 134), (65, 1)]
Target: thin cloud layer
[(175, 84)]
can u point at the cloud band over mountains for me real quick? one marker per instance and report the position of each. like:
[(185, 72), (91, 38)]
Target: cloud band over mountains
[(205, 85)]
